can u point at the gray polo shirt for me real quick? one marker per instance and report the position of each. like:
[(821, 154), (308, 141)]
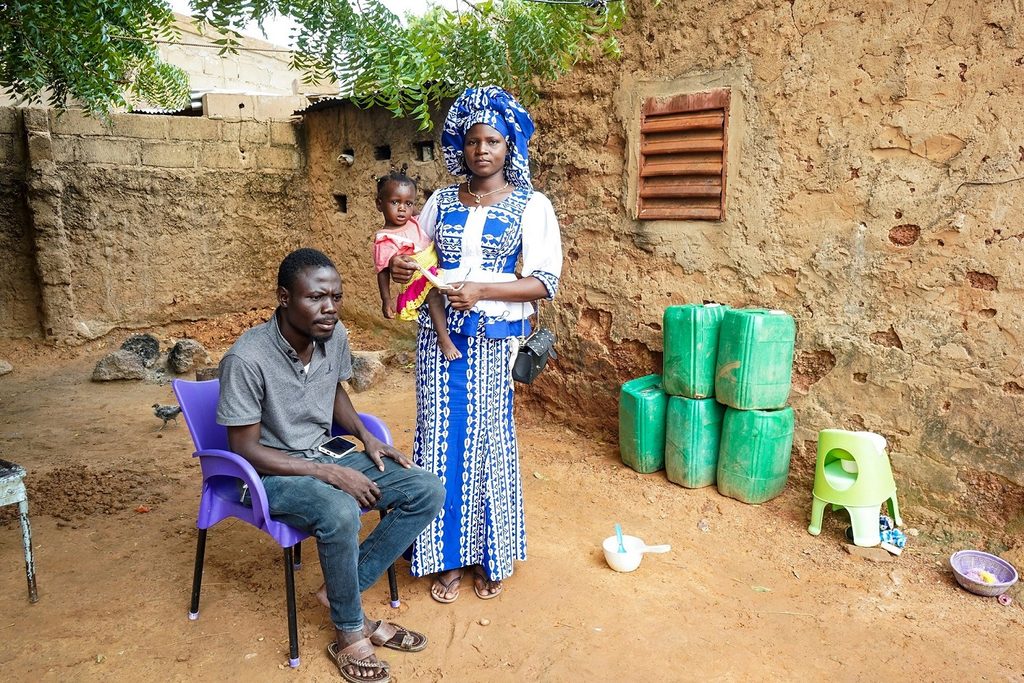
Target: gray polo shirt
[(263, 381)]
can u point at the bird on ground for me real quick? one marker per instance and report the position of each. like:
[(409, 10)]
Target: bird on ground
[(166, 413)]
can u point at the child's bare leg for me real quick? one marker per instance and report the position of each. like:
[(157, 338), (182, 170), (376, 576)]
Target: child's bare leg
[(384, 286), (435, 306)]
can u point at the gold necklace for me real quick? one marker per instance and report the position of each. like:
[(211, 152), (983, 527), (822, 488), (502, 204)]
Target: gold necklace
[(485, 194)]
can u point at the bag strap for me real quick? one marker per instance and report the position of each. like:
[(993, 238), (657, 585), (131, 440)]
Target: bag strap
[(522, 319)]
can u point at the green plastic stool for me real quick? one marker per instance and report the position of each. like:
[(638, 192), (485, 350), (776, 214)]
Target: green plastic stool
[(853, 472)]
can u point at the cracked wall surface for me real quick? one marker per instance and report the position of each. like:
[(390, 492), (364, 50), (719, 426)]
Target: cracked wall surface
[(876, 181)]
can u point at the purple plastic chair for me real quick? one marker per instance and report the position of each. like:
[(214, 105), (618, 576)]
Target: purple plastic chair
[(224, 472)]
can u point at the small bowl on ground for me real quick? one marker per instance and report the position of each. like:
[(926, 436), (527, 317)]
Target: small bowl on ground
[(970, 568), (634, 552)]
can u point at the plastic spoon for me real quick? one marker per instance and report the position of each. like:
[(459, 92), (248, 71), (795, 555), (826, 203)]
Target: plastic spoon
[(618, 535)]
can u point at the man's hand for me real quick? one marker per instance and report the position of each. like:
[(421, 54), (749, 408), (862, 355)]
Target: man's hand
[(402, 268), (377, 449), (353, 482)]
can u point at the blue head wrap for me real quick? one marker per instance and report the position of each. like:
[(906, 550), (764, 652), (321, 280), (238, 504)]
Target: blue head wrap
[(499, 110)]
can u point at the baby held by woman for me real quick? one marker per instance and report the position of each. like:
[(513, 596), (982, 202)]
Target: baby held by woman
[(401, 234)]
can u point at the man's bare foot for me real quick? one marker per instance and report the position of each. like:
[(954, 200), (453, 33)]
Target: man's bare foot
[(448, 350), (356, 660), (485, 588), (446, 585)]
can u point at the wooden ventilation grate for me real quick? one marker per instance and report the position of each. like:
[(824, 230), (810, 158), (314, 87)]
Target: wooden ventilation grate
[(683, 146)]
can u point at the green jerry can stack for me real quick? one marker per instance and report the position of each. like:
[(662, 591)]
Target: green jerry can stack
[(753, 463), (691, 347), (753, 378), (693, 429), (642, 404)]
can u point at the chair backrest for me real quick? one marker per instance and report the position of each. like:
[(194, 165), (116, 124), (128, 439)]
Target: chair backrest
[(198, 402)]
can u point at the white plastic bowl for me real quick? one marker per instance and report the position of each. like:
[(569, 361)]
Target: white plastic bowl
[(635, 549)]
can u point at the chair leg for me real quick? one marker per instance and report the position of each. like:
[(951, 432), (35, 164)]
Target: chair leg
[(894, 510), (865, 525), (817, 512), (293, 629), (392, 577), (393, 585), (197, 575), (298, 555), (26, 539)]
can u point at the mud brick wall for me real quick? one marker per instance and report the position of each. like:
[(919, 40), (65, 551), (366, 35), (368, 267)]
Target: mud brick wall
[(375, 141), (875, 192), (144, 220)]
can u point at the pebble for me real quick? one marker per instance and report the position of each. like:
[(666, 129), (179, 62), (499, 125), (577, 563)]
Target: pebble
[(182, 658), (99, 659), (485, 622)]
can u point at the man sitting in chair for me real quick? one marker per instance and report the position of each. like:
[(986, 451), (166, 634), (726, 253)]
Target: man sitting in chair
[(279, 392)]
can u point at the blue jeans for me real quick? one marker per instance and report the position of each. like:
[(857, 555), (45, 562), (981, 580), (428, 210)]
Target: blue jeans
[(413, 496)]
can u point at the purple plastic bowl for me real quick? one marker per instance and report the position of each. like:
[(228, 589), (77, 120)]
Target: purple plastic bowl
[(967, 563)]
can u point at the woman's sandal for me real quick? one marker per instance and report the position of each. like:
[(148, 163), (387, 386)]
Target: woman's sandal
[(446, 587), (481, 582), (391, 635), (358, 654)]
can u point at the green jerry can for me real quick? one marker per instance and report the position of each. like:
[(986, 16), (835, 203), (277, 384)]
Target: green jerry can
[(753, 461), (754, 370), (693, 430), (642, 404), (691, 347)]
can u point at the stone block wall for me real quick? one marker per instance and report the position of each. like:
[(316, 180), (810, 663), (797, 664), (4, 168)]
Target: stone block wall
[(143, 220), (259, 67)]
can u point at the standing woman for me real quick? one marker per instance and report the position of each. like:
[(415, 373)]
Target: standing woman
[(500, 249)]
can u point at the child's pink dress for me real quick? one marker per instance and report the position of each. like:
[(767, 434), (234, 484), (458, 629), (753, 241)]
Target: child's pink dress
[(409, 240)]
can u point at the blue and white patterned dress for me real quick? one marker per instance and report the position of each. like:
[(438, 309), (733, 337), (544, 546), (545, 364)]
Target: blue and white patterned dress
[(464, 427)]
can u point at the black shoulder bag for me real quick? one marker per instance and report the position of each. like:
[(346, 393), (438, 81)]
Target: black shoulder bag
[(533, 352)]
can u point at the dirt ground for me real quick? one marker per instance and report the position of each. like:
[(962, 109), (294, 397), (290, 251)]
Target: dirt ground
[(745, 593)]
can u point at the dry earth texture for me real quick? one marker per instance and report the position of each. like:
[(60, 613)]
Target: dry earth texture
[(745, 593)]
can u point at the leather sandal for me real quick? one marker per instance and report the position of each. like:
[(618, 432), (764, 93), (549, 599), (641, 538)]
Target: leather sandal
[(358, 654), (391, 635)]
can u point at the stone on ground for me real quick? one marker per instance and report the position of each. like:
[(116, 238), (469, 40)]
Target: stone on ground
[(120, 364), (145, 346), (186, 354)]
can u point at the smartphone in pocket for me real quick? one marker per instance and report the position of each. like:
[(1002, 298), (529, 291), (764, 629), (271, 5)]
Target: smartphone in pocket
[(338, 446)]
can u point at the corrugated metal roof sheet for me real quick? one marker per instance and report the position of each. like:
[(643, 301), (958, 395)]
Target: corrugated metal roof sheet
[(318, 102)]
